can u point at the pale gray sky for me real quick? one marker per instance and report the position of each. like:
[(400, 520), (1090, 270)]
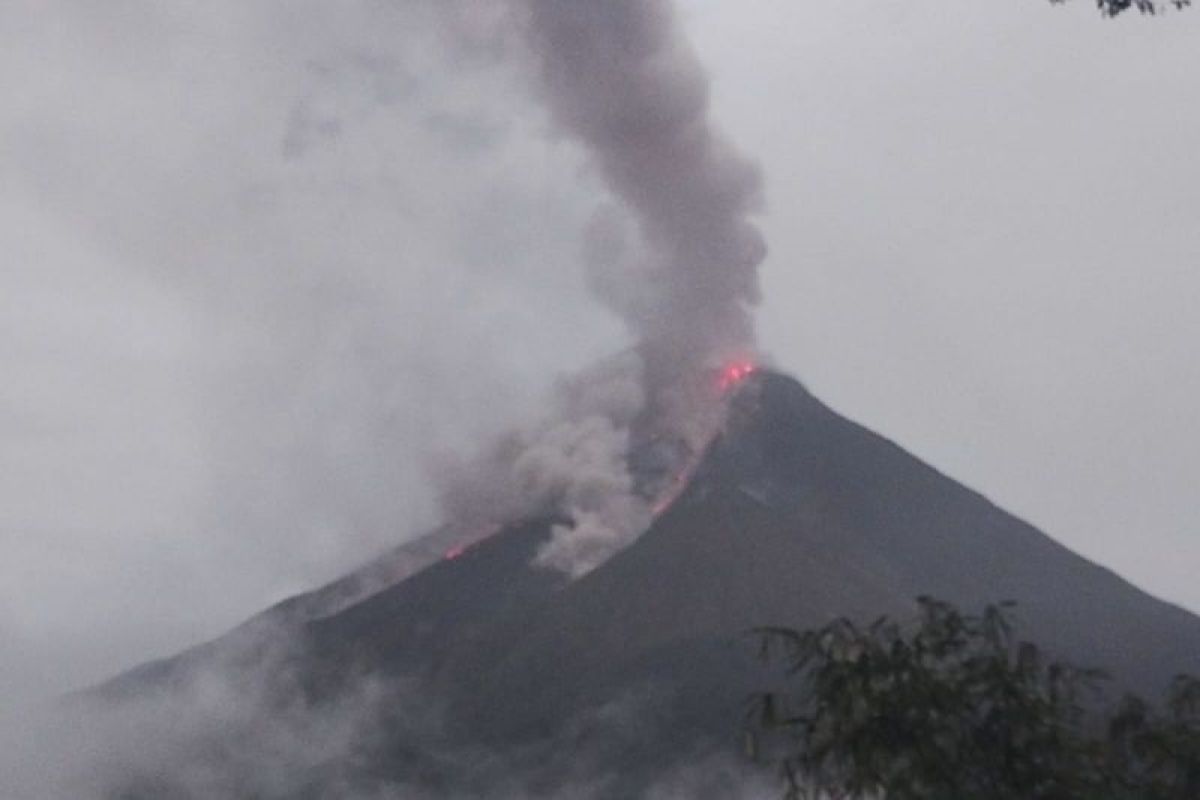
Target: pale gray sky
[(262, 260), (984, 245)]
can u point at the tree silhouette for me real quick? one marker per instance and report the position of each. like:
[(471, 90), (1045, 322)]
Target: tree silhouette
[(1111, 8), (954, 707)]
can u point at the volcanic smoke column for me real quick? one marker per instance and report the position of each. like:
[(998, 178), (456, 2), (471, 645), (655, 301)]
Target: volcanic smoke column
[(618, 77), (674, 254)]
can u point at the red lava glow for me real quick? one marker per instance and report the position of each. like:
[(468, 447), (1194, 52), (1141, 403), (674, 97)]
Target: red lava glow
[(471, 538), (664, 502), (734, 373)]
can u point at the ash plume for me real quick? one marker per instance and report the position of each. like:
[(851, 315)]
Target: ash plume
[(674, 254), (618, 78)]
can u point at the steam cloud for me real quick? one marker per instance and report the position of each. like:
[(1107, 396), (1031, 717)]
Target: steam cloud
[(618, 78)]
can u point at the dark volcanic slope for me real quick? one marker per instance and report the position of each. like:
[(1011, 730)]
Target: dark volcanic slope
[(796, 516), (269, 629)]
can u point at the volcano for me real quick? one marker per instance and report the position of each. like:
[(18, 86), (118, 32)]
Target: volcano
[(794, 516)]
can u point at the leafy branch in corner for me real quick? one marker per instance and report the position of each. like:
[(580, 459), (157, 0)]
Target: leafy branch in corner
[(1111, 8), (955, 707)]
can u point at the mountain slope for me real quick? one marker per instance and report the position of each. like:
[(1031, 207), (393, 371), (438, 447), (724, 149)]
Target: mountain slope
[(799, 516), (795, 516)]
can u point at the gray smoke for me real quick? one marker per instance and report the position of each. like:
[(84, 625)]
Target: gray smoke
[(572, 463), (618, 78), (674, 255)]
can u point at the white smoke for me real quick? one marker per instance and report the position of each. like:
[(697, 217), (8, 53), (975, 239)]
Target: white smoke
[(572, 464)]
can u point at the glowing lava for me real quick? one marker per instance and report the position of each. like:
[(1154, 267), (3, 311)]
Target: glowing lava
[(734, 373), (471, 536)]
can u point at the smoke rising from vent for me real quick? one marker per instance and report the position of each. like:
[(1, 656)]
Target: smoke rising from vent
[(674, 255), (618, 78)]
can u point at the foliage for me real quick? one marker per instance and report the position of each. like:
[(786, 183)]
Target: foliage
[(1111, 8), (956, 708)]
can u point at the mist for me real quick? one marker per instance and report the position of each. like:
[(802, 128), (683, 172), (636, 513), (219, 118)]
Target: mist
[(265, 263)]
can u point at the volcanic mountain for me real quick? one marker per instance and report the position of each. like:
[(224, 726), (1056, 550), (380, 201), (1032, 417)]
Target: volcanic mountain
[(795, 516)]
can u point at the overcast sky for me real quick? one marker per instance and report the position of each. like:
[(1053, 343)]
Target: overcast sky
[(263, 261)]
